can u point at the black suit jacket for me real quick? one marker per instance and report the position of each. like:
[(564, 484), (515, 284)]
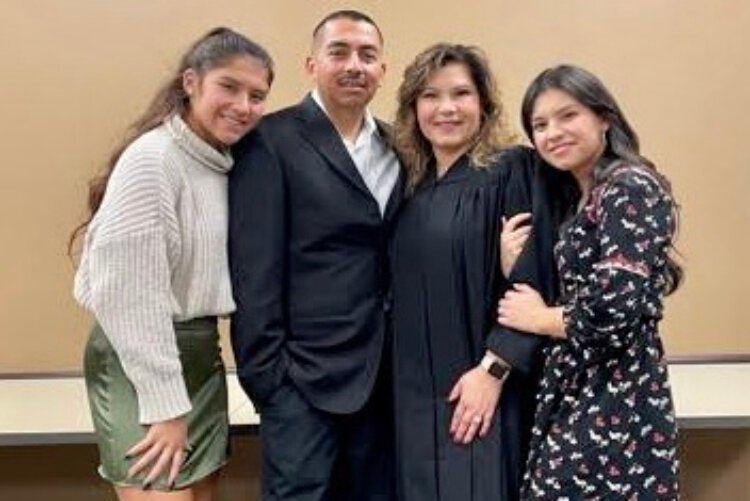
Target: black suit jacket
[(308, 257)]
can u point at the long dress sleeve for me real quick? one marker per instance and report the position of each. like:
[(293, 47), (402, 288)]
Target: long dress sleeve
[(634, 226)]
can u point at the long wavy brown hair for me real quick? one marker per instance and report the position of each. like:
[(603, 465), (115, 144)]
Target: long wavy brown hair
[(413, 147), (212, 50), (622, 142)]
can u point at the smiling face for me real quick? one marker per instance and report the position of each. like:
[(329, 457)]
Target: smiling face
[(227, 101), (567, 134), (346, 64), (449, 112)]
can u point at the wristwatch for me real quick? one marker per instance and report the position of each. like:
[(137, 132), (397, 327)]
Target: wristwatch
[(494, 368)]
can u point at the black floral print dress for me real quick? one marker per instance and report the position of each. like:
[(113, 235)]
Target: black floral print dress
[(605, 425)]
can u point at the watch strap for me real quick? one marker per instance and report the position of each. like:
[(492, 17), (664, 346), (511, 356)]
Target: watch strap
[(494, 368)]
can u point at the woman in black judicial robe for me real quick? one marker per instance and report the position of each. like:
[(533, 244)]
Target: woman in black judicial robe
[(464, 387)]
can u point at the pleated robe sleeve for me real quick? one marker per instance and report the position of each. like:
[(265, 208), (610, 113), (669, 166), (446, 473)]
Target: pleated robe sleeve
[(527, 185)]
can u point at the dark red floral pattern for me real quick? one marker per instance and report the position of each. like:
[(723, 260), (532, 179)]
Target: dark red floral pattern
[(605, 426)]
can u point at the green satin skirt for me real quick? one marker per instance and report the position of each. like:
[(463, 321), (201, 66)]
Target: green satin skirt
[(114, 405)]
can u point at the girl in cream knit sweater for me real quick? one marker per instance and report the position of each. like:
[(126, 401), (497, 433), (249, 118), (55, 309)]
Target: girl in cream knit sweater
[(154, 274)]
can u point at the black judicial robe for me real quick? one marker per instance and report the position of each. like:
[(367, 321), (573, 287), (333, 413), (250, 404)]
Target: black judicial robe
[(446, 282)]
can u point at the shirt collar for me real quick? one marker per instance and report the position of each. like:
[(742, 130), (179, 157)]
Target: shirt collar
[(369, 127)]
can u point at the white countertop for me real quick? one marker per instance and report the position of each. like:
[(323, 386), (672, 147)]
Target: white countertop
[(54, 410)]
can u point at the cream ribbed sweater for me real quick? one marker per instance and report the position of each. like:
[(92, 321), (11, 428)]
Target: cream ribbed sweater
[(155, 253)]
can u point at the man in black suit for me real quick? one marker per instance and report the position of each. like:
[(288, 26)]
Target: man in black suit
[(312, 197)]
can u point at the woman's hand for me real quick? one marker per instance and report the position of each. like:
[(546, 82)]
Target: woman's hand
[(522, 308), (476, 395), (513, 237), (164, 448)]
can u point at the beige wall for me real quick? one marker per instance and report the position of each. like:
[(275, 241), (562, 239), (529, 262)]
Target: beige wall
[(75, 73)]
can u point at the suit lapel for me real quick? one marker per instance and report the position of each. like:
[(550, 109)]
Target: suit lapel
[(318, 130), (397, 195)]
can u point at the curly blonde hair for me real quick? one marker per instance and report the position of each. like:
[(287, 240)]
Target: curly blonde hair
[(413, 147)]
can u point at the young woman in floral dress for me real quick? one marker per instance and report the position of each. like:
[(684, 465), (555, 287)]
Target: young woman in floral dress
[(605, 425)]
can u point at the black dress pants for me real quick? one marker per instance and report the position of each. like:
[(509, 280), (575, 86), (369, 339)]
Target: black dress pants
[(313, 455)]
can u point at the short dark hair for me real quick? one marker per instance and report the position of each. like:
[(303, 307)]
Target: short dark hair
[(352, 15)]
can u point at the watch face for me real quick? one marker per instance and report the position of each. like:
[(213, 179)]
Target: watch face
[(497, 370)]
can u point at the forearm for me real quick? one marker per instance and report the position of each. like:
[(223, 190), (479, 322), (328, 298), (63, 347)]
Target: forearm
[(551, 322)]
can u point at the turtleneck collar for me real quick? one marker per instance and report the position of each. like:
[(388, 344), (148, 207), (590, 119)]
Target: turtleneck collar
[(196, 147)]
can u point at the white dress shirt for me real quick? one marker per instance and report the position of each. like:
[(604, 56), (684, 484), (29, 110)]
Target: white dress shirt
[(376, 163)]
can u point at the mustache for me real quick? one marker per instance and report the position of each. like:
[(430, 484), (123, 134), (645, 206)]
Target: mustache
[(352, 77)]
